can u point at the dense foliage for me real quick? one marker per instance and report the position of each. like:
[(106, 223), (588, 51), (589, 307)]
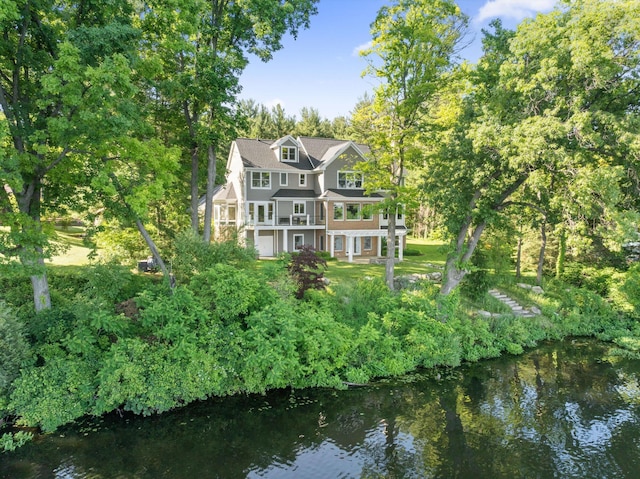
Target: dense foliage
[(307, 269), (121, 342), (541, 136)]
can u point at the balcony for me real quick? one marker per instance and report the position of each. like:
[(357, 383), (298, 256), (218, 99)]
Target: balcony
[(291, 220)]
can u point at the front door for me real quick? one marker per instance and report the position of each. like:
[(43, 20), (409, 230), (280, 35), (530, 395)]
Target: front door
[(357, 245)]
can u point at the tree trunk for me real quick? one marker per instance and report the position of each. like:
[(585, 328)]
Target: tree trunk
[(40, 284), (154, 251), (452, 277), (543, 247), (195, 223), (143, 231), (391, 250), (519, 258), (562, 250), (464, 248), (29, 204), (211, 178)]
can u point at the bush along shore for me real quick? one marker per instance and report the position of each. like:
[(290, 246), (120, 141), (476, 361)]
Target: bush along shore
[(120, 341)]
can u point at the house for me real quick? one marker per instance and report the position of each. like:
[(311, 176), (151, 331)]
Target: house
[(282, 194)]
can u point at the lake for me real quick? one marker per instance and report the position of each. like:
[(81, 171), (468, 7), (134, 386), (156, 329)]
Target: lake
[(564, 410)]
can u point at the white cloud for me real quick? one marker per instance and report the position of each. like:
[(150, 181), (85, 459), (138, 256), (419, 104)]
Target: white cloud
[(514, 9), (359, 48)]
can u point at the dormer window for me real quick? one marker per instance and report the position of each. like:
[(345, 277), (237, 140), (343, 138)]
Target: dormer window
[(349, 179), (289, 153)]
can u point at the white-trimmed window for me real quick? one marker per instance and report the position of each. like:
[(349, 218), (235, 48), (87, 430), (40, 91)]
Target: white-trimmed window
[(367, 212), (224, 214), (284, 179), (353, 211), (299, 208), (303, 179), (350, 179), (260, 212), (338, 243), (400, 213), (338, 211), (289, 153), (367, 243), (298, 241), (260, 180)]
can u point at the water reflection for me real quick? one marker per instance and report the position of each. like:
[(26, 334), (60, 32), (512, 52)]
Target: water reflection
[(563, 410)]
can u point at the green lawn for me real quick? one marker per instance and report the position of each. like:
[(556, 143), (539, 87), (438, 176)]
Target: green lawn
[(431, 253), (75, 252)]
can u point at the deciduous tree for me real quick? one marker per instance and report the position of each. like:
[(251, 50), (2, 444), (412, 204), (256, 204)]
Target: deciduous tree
[(560, 96), (414, 45), (200, 49), (67, 95)]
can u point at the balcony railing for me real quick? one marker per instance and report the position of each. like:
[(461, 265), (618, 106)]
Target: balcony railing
[(291, 220)]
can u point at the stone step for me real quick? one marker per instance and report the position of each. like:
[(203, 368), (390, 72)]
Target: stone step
[(516, 308)]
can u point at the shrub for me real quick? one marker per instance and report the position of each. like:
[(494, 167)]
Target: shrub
[(193, 255), (475, 284), (16, 291), (51, 325), (171, 318), (231, 293), (293, 345), (11, 442), (307, 270), (326, 255), (112, 283), (376, 352), (629, 290), (54, 394), (14, 352), (597, 280), (353, 303)]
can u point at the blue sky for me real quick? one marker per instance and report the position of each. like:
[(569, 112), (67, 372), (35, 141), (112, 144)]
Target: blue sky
[(322, 69)]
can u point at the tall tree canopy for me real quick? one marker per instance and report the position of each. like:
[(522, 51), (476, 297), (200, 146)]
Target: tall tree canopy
[(559, 98), (67, 93), (197, 51), (91, 94), (413, 48)]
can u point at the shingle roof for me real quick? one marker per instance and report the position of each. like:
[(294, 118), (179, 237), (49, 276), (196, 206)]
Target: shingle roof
[(295, 194), (257, 153), (317, 148), (339, 194), (219, 193), (227, 192)]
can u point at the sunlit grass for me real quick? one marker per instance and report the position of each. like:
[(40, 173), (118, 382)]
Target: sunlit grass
[(74, 251), (432, 256)]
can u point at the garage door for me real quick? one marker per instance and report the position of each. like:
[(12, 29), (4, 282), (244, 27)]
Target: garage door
[(265, 245)]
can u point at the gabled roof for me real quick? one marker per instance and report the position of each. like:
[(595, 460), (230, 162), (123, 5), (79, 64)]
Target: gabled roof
[(226, 193), (322, 151), (283, 140), (314, 153), (259, 154)]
